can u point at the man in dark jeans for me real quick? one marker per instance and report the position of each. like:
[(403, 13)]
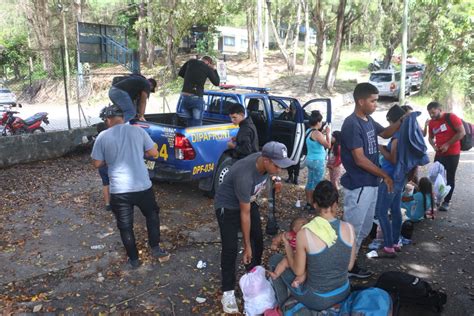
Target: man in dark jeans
[(195, 73), (445, 136), (236, 209), (130, 93), (122, 147), (246, 141)]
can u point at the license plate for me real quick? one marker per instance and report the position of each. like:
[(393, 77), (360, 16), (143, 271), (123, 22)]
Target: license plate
[(150, 165)]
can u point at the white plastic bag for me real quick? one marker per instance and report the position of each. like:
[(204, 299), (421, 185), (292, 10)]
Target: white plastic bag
[(258, 292), (440, 188), (437, 169)]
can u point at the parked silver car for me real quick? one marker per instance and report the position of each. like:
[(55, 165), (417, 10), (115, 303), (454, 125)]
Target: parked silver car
[(7, 97), (415, 72), (387, 82)]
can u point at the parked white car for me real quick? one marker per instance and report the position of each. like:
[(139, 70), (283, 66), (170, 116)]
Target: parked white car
[(387, 82), (7, 97)]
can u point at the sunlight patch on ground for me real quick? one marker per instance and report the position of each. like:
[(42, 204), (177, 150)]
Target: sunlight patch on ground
[(420, 270), (430, 246)]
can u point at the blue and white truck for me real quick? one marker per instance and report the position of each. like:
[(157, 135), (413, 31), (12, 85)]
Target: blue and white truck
[(200, 153)]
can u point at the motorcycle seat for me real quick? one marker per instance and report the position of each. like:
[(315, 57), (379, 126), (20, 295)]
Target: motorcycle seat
[(34, 118)]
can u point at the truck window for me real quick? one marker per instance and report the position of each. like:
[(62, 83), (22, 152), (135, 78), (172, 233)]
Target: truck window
[(214, 104), (229, 101), (256, 106)]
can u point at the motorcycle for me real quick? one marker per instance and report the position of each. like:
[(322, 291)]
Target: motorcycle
[(375, 65), (13, 125)]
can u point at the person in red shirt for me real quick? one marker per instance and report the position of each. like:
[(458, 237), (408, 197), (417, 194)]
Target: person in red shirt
[(445, 139)]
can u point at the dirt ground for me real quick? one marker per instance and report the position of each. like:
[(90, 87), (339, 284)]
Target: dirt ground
[(51, 214)]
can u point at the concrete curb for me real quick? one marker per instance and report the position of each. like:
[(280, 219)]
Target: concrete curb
[(34, 147)]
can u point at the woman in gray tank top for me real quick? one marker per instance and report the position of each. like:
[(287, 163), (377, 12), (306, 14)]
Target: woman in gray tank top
[(325, 251)]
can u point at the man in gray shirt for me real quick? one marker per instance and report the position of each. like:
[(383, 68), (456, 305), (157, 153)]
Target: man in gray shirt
[(122, 147), (236, 209)]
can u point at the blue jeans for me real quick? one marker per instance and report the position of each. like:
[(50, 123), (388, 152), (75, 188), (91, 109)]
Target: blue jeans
[(121, 99), (193, 106), (392, 201)]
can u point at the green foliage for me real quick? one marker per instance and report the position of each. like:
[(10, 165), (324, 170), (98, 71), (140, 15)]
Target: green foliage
[(14, 53), (205, 46), (446, 36)]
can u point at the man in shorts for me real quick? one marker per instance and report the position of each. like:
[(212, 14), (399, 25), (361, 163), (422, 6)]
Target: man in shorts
[(360, 156)]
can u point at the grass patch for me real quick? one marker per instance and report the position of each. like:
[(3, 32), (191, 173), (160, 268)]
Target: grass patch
[(420, 100), (353, 61)]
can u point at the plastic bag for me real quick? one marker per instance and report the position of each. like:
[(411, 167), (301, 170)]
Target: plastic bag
[(437, 169), (440, 188), (258, 292)]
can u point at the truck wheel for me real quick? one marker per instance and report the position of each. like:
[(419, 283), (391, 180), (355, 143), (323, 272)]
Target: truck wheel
[(222, 171)]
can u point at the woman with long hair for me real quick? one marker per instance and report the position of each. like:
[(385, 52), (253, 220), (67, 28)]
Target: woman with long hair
[(316, 144)]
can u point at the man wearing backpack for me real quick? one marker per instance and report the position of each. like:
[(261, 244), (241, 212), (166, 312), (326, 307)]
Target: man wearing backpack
[(130, 93), (445, 132)]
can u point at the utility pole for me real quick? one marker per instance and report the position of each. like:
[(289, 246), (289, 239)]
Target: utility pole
[(403, 71), (259, 43), (266, 43)]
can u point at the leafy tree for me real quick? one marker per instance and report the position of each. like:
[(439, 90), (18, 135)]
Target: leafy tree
[(446, 37), (170, 21), (14, 54)]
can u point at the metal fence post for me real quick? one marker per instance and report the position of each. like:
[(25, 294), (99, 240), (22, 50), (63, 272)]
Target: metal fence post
[(65, 88)]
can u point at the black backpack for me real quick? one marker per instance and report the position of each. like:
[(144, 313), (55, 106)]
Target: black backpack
[(304, 151), (407, 229), (117, 79), (411, 290), (466, 141)]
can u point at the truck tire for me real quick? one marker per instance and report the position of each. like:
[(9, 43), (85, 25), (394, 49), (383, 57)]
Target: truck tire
[(222, 170)]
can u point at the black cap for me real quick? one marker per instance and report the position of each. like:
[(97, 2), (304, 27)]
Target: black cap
[(110, 111)]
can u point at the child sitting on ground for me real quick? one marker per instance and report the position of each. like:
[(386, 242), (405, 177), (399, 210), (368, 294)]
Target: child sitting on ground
[(421, 204), (295, 227)]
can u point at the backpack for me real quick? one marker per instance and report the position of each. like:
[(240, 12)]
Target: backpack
[(407, 229), (411, 290), (117, 79), (466, 141)]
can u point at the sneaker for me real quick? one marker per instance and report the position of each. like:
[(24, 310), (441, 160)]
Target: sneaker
[(405, 241), (376, 244), (444, 207), (397, 247), (229, 303), (386, 253), (359, 273), (134, 263), (158, 252)]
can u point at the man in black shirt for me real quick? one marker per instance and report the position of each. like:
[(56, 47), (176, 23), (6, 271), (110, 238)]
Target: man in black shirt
[(195, 72), (246, 141), (130, 91)]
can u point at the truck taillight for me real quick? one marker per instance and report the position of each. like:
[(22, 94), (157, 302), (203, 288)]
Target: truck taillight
[(182, 148), (392, 86)]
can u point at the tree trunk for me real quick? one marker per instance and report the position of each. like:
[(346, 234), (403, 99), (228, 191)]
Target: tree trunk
[(306, 36), (142, 49), (320, 43), (39, 16), (251, 32), (170, 49), (150, 45), (292, 65), (336, 52), (279, 43), (389, 50)]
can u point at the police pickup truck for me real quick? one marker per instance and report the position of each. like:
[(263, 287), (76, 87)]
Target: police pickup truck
[(200, 153)]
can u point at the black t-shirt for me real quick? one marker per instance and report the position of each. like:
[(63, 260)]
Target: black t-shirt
[(195, 72), (134, 85)]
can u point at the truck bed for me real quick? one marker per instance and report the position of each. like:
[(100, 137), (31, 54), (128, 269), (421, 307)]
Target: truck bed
[(176, 120)]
